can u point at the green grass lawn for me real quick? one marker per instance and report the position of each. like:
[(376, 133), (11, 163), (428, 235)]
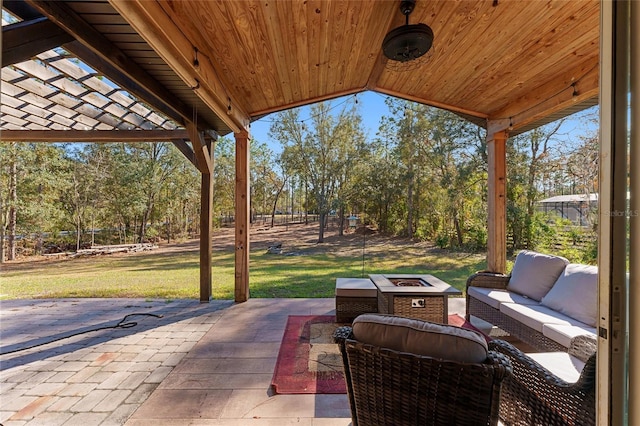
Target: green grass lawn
[(175, 275)]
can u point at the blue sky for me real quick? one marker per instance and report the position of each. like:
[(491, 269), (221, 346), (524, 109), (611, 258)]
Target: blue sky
[(372, 108)]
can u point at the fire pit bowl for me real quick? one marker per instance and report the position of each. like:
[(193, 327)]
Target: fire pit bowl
[(408, 282)]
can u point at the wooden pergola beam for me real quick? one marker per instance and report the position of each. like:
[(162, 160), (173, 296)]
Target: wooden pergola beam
[(95, 136), (98, 52), (175, 111), (186, 150), (24, 40), (164, 35), (200, 149)]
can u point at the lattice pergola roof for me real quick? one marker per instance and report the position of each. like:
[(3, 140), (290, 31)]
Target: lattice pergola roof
[(56, 91)]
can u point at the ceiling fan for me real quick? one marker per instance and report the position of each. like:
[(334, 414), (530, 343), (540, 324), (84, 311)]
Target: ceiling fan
[(408, 42)]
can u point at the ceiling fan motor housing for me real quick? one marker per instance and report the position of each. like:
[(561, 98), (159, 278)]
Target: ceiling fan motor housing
[(407, 42)]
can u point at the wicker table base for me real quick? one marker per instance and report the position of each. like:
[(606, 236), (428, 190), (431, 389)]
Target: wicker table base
[(426, 302), (354, 296)]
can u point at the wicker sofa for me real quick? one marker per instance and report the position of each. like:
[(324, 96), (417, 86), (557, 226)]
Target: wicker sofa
[(401, 371), (545, 301), (548, 389)]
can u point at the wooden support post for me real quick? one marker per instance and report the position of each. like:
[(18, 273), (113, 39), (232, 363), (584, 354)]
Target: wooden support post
[(206, 226), (242, 217), (497, 202)]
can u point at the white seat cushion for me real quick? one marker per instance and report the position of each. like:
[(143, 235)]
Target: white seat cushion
[(536, 316), (561, 364), (356, 287), (494, 298), (534, 274), (564, 333)]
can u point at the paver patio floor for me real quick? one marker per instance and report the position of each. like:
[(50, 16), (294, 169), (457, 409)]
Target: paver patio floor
[(200, 364)]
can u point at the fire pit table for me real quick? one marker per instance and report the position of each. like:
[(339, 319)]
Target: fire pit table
[(414, 296)]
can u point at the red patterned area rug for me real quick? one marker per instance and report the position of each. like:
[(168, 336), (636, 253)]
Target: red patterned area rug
[(456, 319), (309, 361)]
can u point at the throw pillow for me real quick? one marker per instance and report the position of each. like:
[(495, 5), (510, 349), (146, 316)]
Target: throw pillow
[(534, 274), (575, 294), (419, 337)]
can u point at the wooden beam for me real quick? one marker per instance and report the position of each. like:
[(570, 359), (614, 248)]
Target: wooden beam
[(175, 111), (573, 86), (200, 149), (186, 150), (242, 217), (206, 232), (21, 9), (164, 35), (97, 136), (497, 126), (307, 102), (104, 56), (497, 203), (24, 40), (430, 102)]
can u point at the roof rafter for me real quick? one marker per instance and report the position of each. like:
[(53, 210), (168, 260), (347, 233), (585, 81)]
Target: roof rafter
[(576, 86), (178, 52), (98, 136), (26, 39), (98, 52)]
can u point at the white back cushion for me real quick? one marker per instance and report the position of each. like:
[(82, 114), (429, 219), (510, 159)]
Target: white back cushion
[(534, 273), (575, 293)]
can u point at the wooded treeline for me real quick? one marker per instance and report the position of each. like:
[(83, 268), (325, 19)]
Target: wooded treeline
[(423, 175)]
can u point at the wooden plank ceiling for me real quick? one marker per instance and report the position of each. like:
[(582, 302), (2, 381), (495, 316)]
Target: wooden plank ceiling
[(516, 61), (509, 63)]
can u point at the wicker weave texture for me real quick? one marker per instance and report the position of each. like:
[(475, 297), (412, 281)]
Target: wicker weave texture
[(433, 310), (386, 387), (494, 316), (534, 396), (488, 280), (512, 326), (348, 308)]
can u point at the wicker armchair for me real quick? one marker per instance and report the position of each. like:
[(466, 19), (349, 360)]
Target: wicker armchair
[(388, 387), (535, 396)]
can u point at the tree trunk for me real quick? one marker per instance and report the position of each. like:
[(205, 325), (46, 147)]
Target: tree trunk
[(93, 229), (341, 221), (78, 231), (456, 223), (275, 202), (13, 213), (410, 206), (306, 203), (323, 216)]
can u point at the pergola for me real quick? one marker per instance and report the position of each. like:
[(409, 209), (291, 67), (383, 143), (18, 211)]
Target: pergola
[(189, 71)]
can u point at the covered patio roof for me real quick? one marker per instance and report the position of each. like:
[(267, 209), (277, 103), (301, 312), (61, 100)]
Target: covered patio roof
[(522, 63), (194, 70)]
